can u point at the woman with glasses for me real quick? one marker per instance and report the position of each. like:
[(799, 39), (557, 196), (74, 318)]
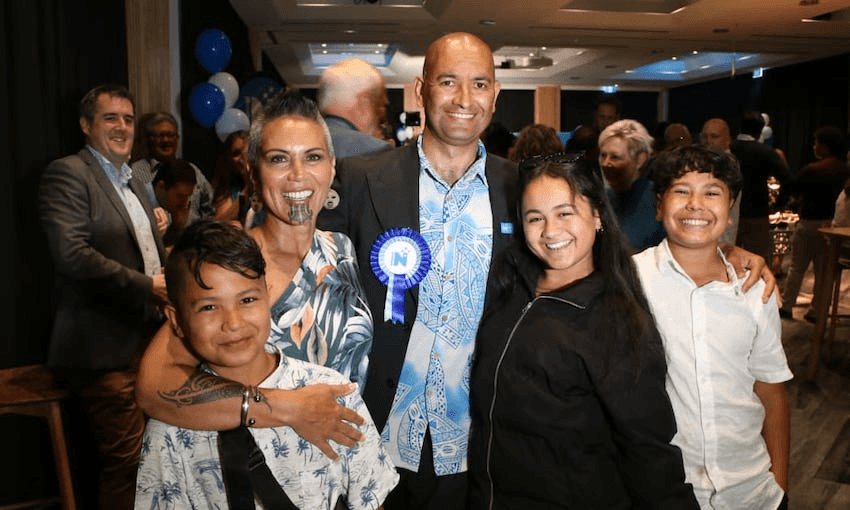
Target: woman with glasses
[(569, 408)]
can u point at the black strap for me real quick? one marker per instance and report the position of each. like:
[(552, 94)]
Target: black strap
[(245, 472)]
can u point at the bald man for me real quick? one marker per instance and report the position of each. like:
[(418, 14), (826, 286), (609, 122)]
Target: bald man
[(715, 134), (677, 135), (353, 99), (455, 199)]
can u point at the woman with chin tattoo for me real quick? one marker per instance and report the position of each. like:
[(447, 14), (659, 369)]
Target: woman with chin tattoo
[(319, 312)]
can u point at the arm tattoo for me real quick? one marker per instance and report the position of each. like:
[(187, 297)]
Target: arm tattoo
[(202, 387)]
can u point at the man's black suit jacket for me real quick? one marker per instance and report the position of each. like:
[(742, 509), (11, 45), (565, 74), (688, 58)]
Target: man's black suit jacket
[(758, 162), (381, 192), (104, 313)]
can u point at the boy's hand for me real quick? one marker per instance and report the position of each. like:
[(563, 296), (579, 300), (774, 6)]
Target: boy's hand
[(744, 261), (314, 413)]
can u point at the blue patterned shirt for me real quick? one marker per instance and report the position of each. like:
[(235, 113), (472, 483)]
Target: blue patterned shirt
[(433, 389), (180, 468)]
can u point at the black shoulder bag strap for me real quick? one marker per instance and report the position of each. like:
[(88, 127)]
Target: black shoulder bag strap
[(245, 472)]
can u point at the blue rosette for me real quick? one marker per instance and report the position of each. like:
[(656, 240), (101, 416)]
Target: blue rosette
[(400, 259)]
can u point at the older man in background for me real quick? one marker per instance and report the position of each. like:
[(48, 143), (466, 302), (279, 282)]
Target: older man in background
[(353, 100)]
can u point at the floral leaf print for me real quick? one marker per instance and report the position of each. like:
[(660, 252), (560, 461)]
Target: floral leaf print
[(184, 437)]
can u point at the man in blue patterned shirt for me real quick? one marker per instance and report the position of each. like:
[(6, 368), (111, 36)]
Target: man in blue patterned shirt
[(459, 200)]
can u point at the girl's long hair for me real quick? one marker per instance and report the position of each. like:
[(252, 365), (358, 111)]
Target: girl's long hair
[(623, 298)]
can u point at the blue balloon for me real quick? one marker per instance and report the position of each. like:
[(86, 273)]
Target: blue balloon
[(213, 50), (206, 102)]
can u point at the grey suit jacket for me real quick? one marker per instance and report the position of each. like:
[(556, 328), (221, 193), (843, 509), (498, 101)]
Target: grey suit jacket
[(104, 314), (348, 141), (380, 192)]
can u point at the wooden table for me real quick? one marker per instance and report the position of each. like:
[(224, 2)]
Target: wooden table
[(834, 237)]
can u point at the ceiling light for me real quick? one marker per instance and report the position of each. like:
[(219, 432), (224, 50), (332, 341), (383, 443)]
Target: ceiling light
[(487, 22), (674, 58), (695, 52)]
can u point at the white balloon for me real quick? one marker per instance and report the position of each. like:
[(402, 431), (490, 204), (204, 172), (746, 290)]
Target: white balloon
[(228, 86), (233, 119)]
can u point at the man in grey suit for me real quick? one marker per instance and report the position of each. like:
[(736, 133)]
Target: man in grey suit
[(108, 255), (353, 99)]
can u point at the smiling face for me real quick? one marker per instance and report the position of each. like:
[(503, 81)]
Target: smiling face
[(163, 140), (621, 170), (458, 90), (695, 211), (294, 169), (560, 228), (111, 130), (228, 323)]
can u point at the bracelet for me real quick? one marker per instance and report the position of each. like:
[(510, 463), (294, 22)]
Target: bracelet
[(247, 394)]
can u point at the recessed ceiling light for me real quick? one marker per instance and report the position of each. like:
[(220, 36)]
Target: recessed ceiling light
[(544, 48), (324, 45), (674, 58), (349, 31), (695, 52), (487, 22)]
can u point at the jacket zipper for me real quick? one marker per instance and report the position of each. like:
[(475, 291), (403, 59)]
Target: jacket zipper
[(496, 383)]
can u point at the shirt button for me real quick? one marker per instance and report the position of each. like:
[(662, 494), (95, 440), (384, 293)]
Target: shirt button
[(444, 318), (450, 238)]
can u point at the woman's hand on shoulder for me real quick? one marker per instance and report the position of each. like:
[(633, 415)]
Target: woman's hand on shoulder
[(315, 414)]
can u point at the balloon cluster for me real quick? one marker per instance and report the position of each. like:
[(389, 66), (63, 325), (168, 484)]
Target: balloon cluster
[(212, 103)]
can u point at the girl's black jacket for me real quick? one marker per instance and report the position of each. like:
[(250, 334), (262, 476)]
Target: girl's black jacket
[(563, 418)]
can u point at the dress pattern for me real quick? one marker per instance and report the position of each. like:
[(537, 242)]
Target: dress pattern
[(322, 316)]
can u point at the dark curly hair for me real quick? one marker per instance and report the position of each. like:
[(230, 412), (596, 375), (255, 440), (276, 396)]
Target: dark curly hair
[(672, 164), (211, 242)]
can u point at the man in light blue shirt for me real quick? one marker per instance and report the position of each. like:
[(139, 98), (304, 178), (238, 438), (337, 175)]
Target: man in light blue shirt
[(448, 194), (108, 254)]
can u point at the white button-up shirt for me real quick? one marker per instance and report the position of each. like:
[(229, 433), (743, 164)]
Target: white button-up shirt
[(718, 341)]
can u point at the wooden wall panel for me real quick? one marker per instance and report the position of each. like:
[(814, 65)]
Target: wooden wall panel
[(547, 106), (148, 54)]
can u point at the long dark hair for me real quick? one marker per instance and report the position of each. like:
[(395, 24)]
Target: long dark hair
[(623, 297)]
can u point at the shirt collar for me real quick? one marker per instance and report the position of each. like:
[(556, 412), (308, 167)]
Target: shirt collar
[(745, 138), (666, 263), (119, 176), (476, 170)]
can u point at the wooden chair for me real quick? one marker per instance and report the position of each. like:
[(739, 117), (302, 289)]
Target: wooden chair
[(30, 391), (834, 316)]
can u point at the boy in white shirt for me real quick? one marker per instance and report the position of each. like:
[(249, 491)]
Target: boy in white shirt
[(220, 307), (726, 367)]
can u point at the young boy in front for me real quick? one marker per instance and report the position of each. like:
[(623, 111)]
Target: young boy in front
[(725, 364), (215, 277)]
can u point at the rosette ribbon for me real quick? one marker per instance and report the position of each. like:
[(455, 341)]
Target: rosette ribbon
[(400, 259)]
